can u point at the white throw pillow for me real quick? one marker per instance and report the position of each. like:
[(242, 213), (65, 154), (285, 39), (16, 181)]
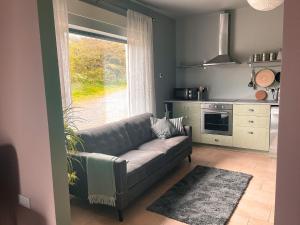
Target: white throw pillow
[(163, 129), (166, 128), (177, 123)]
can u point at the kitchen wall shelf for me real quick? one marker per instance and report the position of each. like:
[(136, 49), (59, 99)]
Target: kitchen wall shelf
[(268, 64), (195, 66)]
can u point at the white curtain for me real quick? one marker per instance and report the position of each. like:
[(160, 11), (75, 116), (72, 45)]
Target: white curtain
[(60, 8), (141, 90)]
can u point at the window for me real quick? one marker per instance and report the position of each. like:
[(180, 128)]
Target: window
[(98, 80)]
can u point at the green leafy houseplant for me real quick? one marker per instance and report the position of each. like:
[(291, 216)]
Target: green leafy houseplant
[(72, 141)]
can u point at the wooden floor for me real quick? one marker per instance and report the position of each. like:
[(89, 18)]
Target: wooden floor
[(255, 208)]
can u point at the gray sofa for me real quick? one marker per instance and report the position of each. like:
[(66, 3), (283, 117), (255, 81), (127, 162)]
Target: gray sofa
[(142, 159)]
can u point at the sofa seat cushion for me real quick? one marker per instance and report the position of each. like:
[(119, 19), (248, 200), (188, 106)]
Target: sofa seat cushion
[(170, 147), (140, 164)]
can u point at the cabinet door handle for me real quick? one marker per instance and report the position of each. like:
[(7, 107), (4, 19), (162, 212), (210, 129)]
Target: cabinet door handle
[(250, 132), (251, 121), (216, 140), (251, 110)]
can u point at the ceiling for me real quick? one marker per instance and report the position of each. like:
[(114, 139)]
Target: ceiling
[(180, 8)]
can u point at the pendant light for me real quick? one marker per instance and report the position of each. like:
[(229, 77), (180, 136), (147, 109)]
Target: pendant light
[(265, 5)]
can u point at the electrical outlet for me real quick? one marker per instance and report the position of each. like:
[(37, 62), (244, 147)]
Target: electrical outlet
[(24, 201)]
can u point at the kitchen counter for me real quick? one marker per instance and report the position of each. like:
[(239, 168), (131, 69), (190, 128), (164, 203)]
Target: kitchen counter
[(230, 101)]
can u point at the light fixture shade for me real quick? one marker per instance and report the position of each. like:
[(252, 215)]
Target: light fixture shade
[(265, 5)]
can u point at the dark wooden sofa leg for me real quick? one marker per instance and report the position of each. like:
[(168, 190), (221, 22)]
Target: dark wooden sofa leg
[(190, 158), (120, 215)]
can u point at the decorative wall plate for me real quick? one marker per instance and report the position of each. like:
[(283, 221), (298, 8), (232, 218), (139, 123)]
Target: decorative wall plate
[(264, 78)]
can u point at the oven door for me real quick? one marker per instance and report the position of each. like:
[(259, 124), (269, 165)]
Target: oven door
[(216, 122)]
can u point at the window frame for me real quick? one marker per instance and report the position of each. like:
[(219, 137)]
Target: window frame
[(98, 35)]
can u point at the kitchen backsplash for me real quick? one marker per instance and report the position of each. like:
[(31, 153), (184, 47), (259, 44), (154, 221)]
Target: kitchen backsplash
[(222, 82)]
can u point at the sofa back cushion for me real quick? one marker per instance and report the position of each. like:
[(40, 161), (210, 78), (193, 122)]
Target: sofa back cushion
[(139, 129), (110, 139)]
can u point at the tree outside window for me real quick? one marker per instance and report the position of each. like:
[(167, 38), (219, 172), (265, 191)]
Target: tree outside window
[(98, 80)]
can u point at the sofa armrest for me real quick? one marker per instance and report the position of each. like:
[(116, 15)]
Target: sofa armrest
[(80, 189), (188, 131)]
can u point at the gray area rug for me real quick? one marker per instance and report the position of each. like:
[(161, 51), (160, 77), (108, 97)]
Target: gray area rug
[(205, 196)]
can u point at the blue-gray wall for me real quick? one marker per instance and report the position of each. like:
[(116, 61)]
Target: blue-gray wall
[(164, 61), (197, 40)]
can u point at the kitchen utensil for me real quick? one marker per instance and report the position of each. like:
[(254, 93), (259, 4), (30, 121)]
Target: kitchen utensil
[(254, 85), (264, 78), (261, 95), (253, 75), (265, 57), (273, 93), (277, 77), (251, 83)]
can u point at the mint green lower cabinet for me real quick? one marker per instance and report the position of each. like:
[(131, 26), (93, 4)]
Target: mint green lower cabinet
[(251, 138), (191, 112), (213, 139), (251, 127)]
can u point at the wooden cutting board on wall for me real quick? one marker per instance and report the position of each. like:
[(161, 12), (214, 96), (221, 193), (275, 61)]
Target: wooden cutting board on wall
[(265, 78), (261, 95)]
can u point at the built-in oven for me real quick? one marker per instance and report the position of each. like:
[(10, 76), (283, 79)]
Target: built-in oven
[(216, 119)]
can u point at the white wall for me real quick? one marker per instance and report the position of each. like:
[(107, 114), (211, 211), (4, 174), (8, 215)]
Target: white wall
[(197, 40)]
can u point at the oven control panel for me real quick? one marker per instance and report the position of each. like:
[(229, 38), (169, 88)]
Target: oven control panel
[(213, 106)]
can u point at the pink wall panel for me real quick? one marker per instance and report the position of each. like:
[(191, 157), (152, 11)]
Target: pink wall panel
[(288, 171), (23, 115)]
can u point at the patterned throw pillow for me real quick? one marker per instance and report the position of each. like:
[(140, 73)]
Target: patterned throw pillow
[(162, 128), (153, 120), (177, 122)]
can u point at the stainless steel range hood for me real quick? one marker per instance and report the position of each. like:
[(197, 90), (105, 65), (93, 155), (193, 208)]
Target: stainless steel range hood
[(224, 57)]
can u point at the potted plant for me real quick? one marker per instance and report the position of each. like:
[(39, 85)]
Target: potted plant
[(72, 142)]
